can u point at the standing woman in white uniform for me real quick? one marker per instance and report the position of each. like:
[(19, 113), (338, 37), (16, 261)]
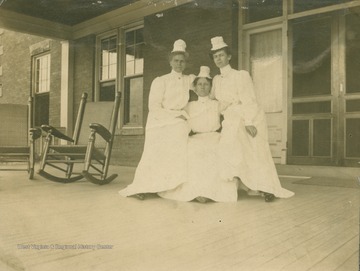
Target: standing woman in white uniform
[(244, 150), (163, 165)]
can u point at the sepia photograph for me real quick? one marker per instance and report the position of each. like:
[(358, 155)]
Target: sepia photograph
[(179, 135)]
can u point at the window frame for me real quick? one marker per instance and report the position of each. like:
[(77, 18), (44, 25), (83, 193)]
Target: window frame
[(121, 77), (41, 115), (98, 80), (128, 129), (35, 59)]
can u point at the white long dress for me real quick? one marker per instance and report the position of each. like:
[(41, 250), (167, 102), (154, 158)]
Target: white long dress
[(241, 154), (203, 179), (163, 164)]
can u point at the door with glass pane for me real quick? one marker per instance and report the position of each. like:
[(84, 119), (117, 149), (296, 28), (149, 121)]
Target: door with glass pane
[(265, 60), (350, 92), (324, 100), (313, 105)]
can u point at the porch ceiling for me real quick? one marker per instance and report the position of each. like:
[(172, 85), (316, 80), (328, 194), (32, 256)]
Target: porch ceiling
[(67, 12), (73, 19)]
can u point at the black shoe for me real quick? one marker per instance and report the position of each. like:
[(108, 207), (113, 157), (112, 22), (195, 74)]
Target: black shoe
[(269, 197), (202, 199), (140, 196)]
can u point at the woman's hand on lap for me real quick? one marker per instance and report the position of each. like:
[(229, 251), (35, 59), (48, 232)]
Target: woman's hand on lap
[(251, 130)]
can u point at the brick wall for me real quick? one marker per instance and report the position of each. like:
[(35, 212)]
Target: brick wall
[(84, 69), (16, 66), (127, 150), (18, 49)]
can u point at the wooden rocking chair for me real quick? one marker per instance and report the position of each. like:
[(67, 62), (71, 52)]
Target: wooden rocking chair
[(17, 137), (94, 118)]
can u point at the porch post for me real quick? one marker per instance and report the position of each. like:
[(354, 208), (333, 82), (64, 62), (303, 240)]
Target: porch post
[(67, 86)]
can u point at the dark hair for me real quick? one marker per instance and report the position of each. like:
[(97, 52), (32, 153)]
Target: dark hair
[(172, 54), (197, 79), (225, 49)]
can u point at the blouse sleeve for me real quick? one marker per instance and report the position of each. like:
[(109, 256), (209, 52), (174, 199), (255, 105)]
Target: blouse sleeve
[(192, 78), (156, 95), (247, 97), (212, 91)]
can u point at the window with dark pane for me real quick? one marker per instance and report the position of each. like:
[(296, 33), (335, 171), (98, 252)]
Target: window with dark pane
[(312, 57), (133, 101), (352, 51), (134, 68), (258, 10), (322, 137), (353, 138), (353, 106), (300, 138), (107, 91), (304, 5), (41, 109), (311, 107)]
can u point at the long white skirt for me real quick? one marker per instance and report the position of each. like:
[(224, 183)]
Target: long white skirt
[(249, 158), (203, 178), (163, 163)]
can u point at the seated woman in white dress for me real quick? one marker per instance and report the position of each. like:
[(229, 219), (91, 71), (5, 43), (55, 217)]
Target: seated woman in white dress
[(203, 181), (163, 165)]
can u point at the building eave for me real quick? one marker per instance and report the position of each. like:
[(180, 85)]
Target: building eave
[(34, 26)]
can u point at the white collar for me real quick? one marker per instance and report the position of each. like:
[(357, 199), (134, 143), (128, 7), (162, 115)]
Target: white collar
[(177, 74), (203, 99), (226, 69)]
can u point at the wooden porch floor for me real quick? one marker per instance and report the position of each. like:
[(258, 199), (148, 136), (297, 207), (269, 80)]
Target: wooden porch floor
[(81, 226)]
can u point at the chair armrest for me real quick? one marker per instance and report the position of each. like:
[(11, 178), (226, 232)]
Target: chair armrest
[(35, 133), (53, 131), (101, 130)]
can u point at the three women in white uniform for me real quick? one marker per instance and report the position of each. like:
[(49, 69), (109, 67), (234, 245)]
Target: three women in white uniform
[(207, 165)]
